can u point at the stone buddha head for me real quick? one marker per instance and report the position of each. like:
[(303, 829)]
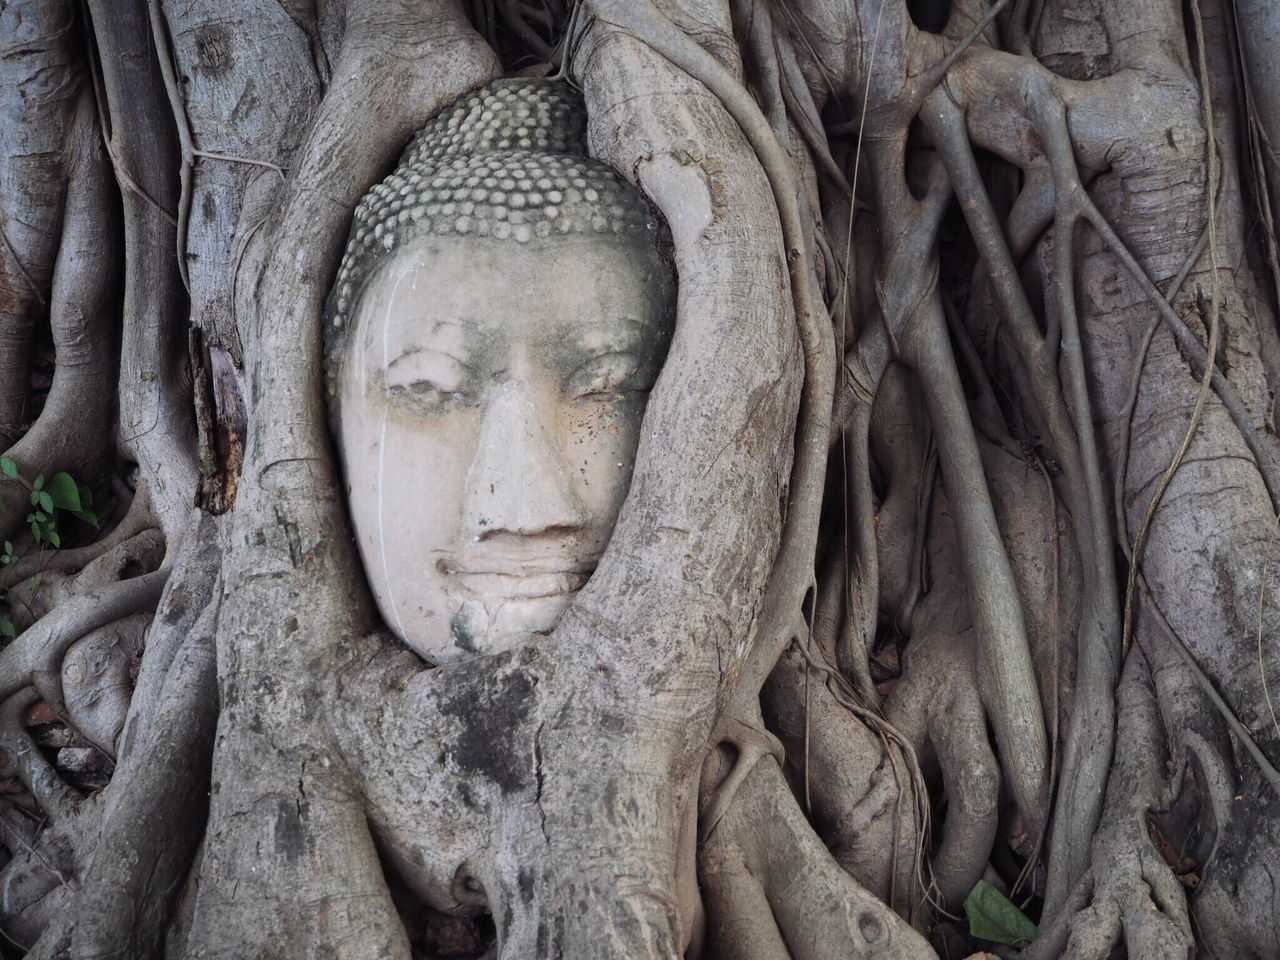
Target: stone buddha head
[(501, 313)]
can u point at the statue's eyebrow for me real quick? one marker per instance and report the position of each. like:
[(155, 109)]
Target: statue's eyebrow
[(416, 348), (607, 321), (407, 352), (407, 344)]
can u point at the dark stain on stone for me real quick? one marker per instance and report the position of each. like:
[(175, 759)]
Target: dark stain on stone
[(213, 49), (525, 880), (613, 722), (461, 633), (468, 798), (177, 608), (290, 840), (493, 708)]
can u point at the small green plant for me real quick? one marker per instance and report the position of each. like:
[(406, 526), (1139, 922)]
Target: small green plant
[(60, 494)]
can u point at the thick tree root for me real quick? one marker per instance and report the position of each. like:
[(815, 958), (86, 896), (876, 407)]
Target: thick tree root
[(773, 890), (73, 429), (97, 680), (35, 658), (937, 706), (153, 810), (45, 591), (65, 562), (857, 786), (1136, 899), (50, 849)]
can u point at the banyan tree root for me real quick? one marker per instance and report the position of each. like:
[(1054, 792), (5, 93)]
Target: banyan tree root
[(524, 784), (773, 891), (57, 256), (1131, 892), (854, 777), (76, 661), (158, 730), (52, 837)]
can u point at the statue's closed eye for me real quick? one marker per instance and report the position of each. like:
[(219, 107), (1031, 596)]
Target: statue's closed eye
[(422, 372), (612, 373), (429, 381)]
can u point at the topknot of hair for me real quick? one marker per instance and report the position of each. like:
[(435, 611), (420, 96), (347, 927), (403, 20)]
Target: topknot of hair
[(507, 161)]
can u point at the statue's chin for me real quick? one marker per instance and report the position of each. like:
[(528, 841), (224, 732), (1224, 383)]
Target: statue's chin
[(493, 624)]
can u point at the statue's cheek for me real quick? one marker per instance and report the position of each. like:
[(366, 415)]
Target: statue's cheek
[(600, 447)]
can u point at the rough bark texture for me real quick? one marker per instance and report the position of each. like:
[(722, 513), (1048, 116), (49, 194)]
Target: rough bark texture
[(976, 321)]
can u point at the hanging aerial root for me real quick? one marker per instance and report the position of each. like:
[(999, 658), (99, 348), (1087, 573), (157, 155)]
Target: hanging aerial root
[(916, 327), (1003, 650), (861, 581), (155, 392), (1090, 736)]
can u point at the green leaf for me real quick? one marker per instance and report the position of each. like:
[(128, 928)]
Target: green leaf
[(9, 468), (992, 917), (39, 482), (63, 493), (8, 629), (54, 538), (88, 516), (46, 502)]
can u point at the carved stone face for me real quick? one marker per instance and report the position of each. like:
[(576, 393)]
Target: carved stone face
[(489, 408)]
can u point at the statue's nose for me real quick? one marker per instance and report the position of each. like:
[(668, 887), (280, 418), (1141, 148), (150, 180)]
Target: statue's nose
[(518, 481)]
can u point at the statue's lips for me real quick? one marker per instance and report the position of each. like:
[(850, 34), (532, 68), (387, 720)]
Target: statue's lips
[(518, 579)]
